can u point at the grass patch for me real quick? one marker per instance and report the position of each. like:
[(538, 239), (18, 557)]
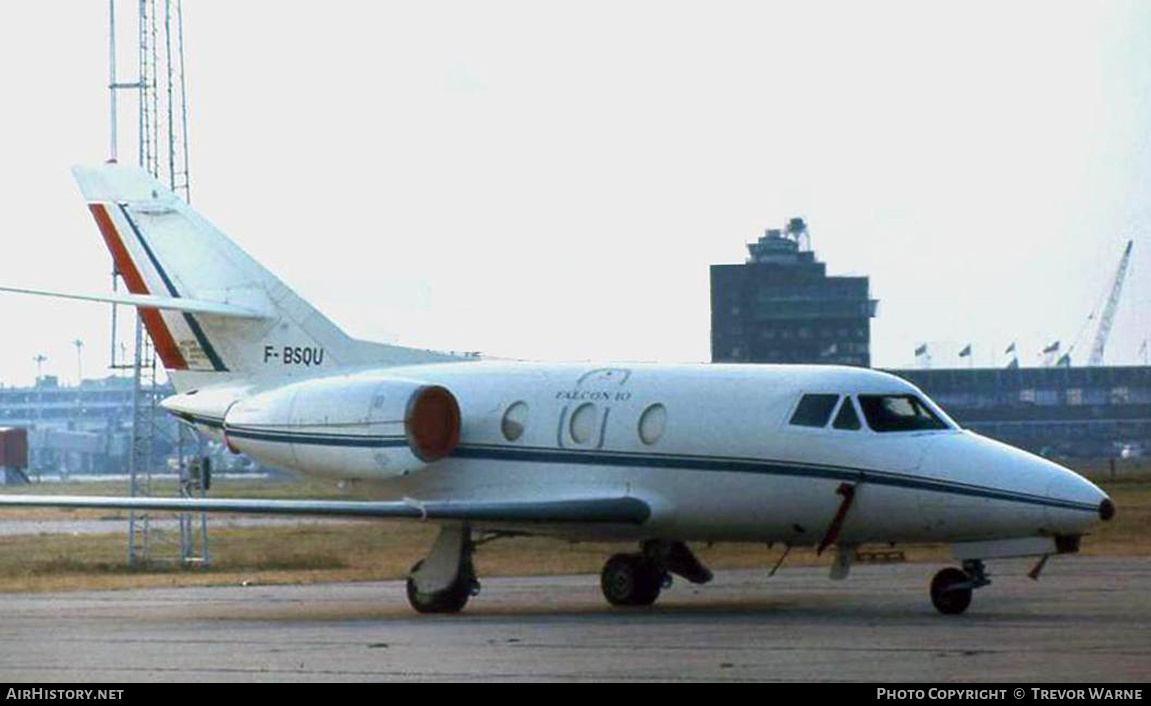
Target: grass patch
[(367, 550)]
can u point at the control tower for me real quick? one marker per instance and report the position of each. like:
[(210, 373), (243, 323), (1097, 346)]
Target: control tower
[(781, 307)]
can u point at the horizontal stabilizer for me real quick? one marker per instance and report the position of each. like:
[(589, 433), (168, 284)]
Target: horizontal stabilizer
[(148, 301), (630, 511)]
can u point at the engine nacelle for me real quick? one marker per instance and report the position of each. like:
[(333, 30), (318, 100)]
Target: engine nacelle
[(347, 427)]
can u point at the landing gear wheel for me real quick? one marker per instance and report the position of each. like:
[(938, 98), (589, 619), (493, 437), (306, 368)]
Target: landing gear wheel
[(631, 580), (450, 600), (951, 591)]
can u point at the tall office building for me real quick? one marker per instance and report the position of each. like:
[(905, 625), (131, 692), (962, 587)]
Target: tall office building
[(781, 307)]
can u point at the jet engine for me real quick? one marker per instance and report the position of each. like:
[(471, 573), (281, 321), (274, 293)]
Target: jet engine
[(347, 427)]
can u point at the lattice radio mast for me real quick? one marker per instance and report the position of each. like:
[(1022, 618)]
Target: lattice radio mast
[(170, 166)]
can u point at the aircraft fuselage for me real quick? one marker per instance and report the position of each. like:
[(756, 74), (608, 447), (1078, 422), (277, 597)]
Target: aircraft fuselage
[(712, 449)]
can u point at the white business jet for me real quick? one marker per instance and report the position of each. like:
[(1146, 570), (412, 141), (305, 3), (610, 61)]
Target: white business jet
[(660, 455)]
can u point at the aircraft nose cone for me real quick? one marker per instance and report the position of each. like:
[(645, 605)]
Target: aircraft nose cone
[(1079, 503), (1106, 510)]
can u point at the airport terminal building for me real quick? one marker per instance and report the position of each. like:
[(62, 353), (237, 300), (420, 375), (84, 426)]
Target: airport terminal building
[(1064, 411), (79, 429)]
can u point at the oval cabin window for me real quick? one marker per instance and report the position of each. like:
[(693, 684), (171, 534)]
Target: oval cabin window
[(514, 421), (582, 425), (652, 423)]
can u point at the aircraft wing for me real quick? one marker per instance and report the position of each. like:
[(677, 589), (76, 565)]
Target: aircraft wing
[(618, 510), (149, 301)]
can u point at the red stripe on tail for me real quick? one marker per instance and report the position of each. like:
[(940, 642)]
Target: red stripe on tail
[(161, 337)]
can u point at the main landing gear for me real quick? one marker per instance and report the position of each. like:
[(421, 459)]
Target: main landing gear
[(445, 579), (632, 580), (951, 588)]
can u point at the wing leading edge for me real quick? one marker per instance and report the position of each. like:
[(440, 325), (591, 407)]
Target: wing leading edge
[(622, 510)]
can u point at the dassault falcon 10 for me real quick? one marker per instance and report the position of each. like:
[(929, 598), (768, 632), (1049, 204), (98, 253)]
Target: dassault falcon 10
[(660, 455)]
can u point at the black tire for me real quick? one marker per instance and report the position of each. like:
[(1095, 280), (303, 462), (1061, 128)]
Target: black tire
[(945, 597), (630, 580), (450, 600)]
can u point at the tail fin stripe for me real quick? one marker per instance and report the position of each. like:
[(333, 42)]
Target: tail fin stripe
[(162, 338), (205, 344), (120, 257), (148, 250), (194, 325)]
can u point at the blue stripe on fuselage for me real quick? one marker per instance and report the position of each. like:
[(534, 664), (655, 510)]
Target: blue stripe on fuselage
[(496, 452), (312, 439), (757, 466)]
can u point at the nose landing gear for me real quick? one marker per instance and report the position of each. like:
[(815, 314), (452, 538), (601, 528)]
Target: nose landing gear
[(951, 588)]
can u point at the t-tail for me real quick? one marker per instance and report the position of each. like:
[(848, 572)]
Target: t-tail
[(213, 313)]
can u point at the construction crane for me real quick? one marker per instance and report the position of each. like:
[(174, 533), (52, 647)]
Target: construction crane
[(1108, 316)]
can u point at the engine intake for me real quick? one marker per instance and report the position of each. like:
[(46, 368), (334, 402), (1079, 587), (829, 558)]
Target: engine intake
[(432, 423)]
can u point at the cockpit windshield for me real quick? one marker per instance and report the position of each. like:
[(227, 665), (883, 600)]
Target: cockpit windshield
[(814, 410), (899, 413)]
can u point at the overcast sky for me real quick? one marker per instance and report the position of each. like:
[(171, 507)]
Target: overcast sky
[(552, 180)]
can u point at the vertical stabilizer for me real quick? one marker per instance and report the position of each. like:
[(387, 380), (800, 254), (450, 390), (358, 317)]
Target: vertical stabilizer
[(162, 247)]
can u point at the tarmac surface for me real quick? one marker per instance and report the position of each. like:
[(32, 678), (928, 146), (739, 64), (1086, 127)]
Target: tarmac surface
[(1087, 619)]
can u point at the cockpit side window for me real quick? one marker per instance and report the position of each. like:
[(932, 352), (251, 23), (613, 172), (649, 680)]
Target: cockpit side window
[(847, 418), (814, 410), (898, 413)]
